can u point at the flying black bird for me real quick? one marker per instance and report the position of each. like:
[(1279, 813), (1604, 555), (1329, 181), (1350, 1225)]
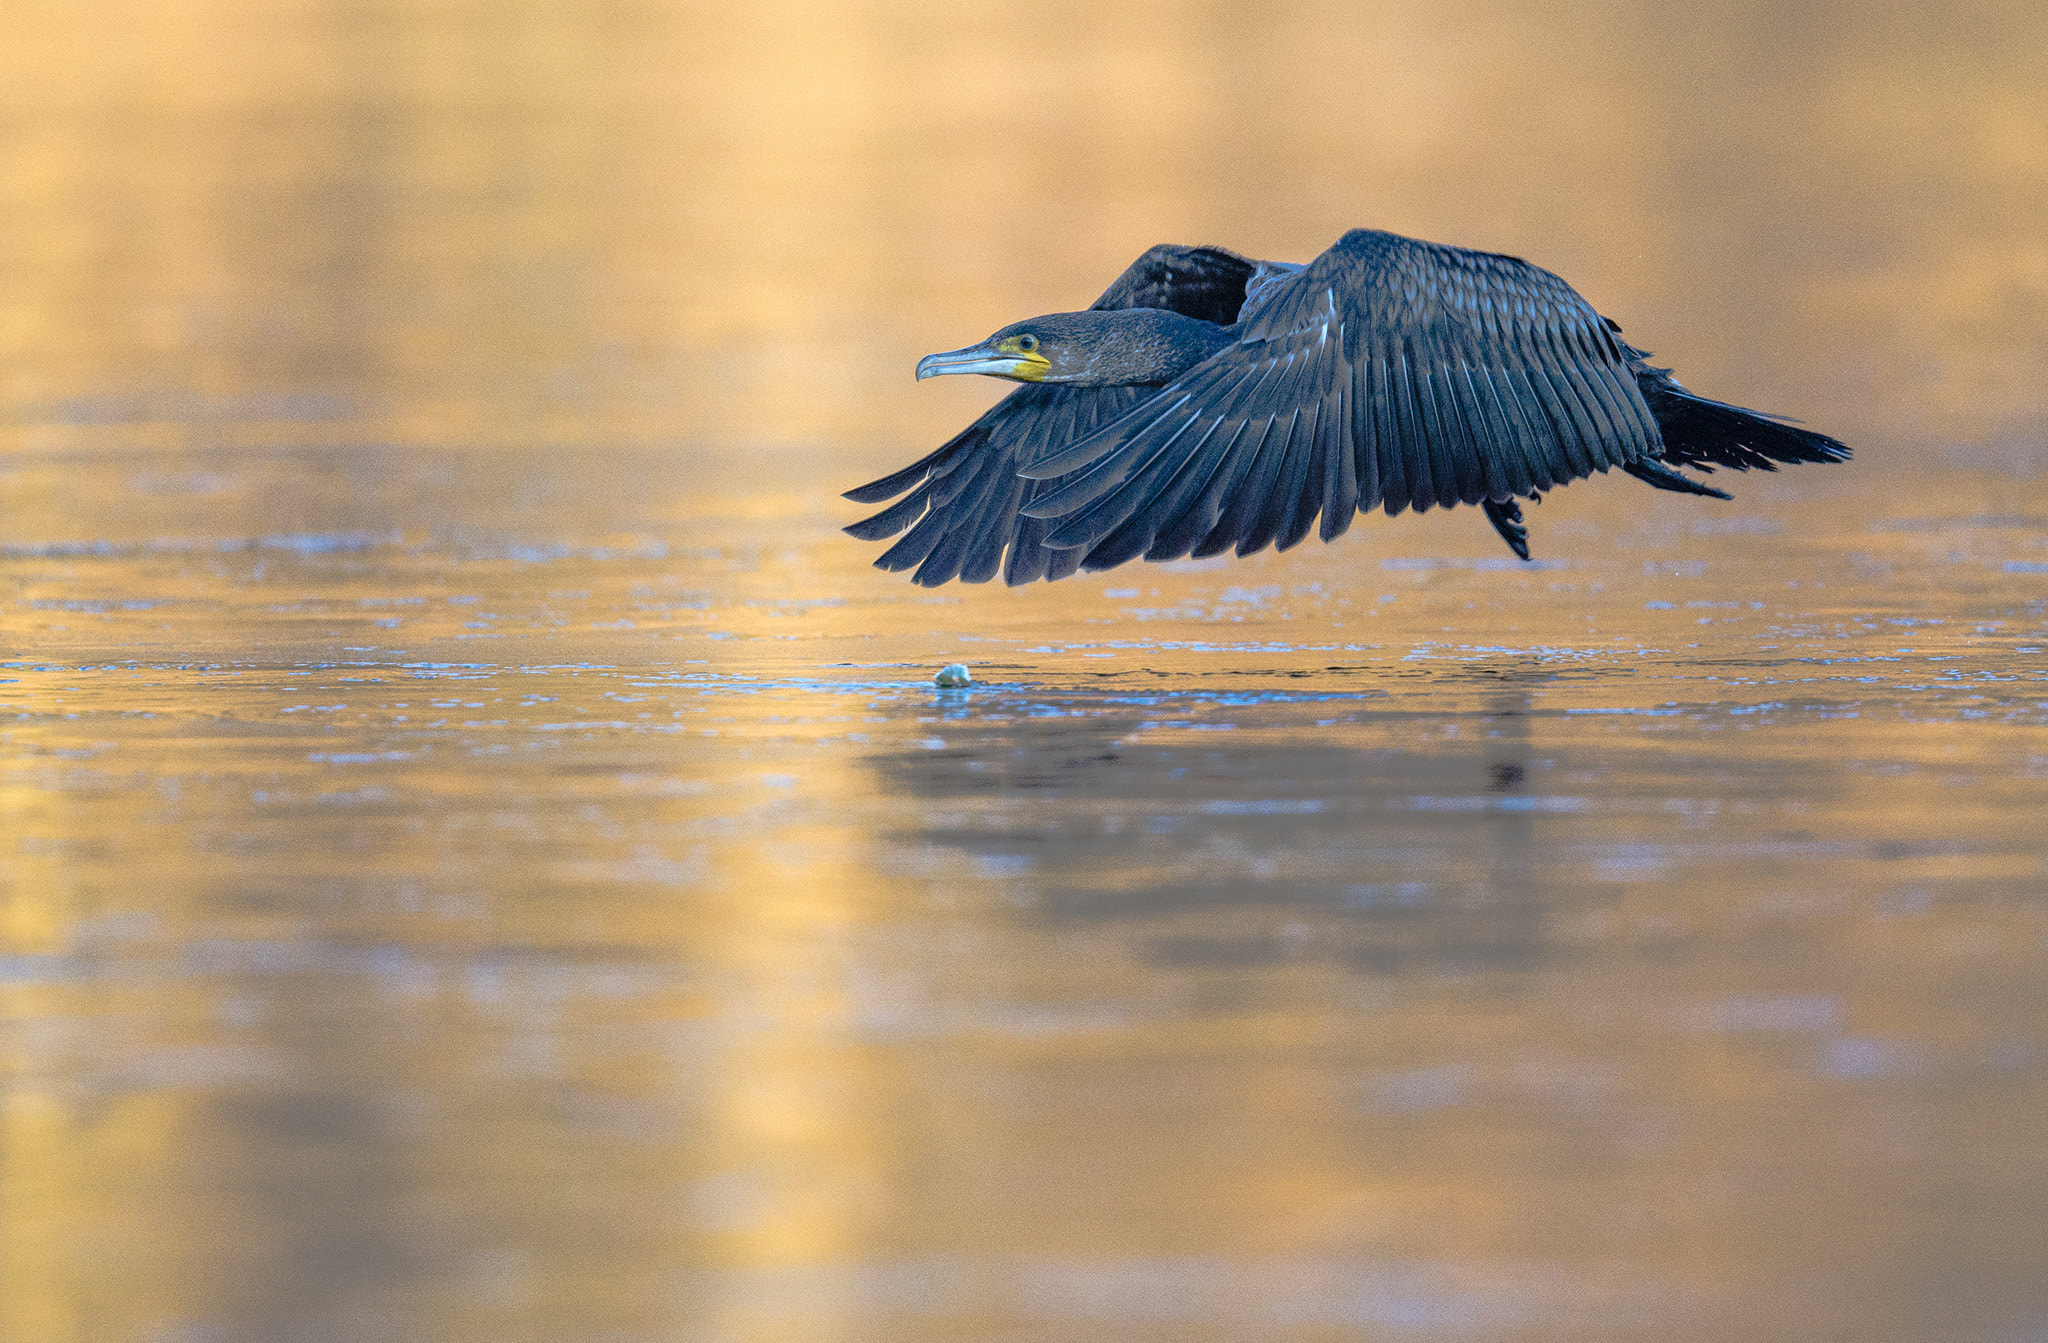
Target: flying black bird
[(1209, 402)]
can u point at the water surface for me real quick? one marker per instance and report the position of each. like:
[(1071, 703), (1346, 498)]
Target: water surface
[(482, 857)]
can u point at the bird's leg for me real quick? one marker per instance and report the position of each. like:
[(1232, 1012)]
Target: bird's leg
[(1506, 517)]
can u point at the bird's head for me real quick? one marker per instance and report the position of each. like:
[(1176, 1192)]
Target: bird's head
[(1100, 349)]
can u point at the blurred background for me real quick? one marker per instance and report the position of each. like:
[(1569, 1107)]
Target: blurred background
[(736, 226), (480, 857)]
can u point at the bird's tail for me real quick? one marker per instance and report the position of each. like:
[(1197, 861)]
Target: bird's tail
[(1705, 434)]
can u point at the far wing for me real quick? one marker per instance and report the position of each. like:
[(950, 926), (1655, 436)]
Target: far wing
[(965, 499), (1206, 283), (1387, 373)]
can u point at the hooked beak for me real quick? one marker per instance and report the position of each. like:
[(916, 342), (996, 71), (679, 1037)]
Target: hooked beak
[(983, 358)]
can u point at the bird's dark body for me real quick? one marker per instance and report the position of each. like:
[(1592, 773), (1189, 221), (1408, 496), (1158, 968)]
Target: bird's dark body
[(1388, 373)]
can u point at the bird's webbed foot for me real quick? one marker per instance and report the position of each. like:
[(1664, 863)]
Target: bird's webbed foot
[(1506, 517)]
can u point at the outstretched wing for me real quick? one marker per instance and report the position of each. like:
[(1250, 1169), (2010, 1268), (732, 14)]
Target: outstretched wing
[(1387, 373), (965, 500)]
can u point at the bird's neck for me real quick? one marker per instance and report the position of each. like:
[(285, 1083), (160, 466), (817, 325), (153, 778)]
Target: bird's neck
[(1147, 347)]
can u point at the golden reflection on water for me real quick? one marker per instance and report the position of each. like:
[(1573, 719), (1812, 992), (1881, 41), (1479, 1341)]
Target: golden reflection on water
[(480, 856)]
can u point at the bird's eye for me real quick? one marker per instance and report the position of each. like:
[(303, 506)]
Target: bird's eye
[(1027, 343)]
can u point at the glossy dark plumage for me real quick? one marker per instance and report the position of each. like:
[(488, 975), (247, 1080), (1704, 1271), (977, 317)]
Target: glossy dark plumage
[(1388, 373)]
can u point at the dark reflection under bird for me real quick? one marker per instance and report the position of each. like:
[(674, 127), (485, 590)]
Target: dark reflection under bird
[(1208, 402), (1395, 856)]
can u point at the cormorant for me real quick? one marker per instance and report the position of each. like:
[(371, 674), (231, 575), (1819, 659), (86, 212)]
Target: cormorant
[(1208, 401)]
